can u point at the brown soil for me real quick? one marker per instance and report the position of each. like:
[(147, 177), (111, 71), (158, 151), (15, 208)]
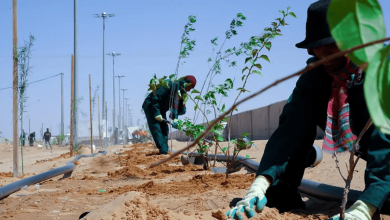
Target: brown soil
[(9, 174), (120, 185)]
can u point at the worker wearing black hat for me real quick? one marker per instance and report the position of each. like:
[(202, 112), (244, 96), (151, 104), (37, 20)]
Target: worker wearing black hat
[(331, 97)]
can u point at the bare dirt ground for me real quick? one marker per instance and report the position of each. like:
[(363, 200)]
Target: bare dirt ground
[(120, 185)]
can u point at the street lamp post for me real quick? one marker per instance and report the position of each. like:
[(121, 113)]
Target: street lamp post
[(119, 101), (113, 54), (128, 113), (104, 16), (123, 123), (62, 104), (125, 115)]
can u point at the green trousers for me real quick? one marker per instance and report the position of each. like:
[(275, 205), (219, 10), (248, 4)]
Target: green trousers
[(159, 131), (286, 152)]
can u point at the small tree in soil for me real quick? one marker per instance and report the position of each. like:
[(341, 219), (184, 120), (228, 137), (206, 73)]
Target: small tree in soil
[(24, 56), (203, 103)]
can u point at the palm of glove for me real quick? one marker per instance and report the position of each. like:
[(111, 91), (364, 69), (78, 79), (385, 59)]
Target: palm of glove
[(248, 205), (254, 200)]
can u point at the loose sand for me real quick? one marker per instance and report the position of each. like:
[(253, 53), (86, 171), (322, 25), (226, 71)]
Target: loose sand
[(120, 185)]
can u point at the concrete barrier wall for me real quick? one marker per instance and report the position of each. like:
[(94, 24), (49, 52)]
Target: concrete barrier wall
[(260, 123)]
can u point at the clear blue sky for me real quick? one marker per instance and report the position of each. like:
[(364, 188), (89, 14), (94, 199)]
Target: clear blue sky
[(147, 33)]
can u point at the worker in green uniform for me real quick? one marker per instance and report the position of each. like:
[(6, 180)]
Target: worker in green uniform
[(331, 97), (156, 105)]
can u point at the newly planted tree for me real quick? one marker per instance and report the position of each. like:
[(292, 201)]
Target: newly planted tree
[(254, 51), (23, 57)]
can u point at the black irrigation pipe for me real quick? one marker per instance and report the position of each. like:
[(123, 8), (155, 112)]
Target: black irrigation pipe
[(66, 170)]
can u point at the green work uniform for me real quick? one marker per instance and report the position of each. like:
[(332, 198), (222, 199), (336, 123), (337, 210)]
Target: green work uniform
[(159, 104), (286, 153)]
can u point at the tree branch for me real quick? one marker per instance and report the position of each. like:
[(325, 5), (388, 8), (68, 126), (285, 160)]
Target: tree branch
[(306, 69)]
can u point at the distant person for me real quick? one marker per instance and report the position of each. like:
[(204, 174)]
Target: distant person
[(47, 136), (31, 138)]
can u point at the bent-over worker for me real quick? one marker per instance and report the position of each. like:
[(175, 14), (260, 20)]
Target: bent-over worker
[(156, 105)]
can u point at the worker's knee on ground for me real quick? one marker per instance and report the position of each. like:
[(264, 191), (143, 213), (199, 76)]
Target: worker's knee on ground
[(284, 197), (314, 157)]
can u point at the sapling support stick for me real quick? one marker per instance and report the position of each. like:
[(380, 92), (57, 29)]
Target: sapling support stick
[(351, 169), (309, 67)]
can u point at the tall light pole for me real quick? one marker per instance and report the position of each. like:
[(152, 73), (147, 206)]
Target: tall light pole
[(62, 104), (131, 118), (119, 101), (104, 16), (125, 114), (113, 54), (123, 122), (128, 113), (75, 80)]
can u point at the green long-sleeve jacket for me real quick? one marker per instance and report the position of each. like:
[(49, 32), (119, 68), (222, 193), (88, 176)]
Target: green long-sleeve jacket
[(159, 103)]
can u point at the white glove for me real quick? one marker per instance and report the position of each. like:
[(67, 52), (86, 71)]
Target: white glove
[(360, 210), (255, 195)]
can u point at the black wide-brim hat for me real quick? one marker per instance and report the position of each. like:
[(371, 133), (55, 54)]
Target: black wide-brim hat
[(317, 28)]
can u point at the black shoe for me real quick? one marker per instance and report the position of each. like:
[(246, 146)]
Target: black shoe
[(284, 198)]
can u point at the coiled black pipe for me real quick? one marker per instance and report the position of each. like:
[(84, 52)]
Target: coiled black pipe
[(66, 170)]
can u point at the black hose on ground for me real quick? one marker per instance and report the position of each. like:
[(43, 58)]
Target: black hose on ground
[(66, 170), (312, 188)]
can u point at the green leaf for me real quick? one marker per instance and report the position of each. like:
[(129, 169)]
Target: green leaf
[(248, 58), (254, 52), (258, 65), (355, 22), (243, 77), (220, 138), (268, 45), (196, 107), (194, 91), (192, 18), (292, 14), (245, 134), (256, 71), (247, 156), (218, 132), (281, 11), (377, 90), (243, 70), (209, 60), (198, 97), (223, 108), (224, 149), (265, 57)]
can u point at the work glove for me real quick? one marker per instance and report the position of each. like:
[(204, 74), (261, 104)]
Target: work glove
[(360, 210), (255, 195), (175, 124), (159, 118)]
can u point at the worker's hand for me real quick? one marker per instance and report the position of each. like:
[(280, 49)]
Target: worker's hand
[(159, 118), (255, 196), (360, 210), (175, 124)]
